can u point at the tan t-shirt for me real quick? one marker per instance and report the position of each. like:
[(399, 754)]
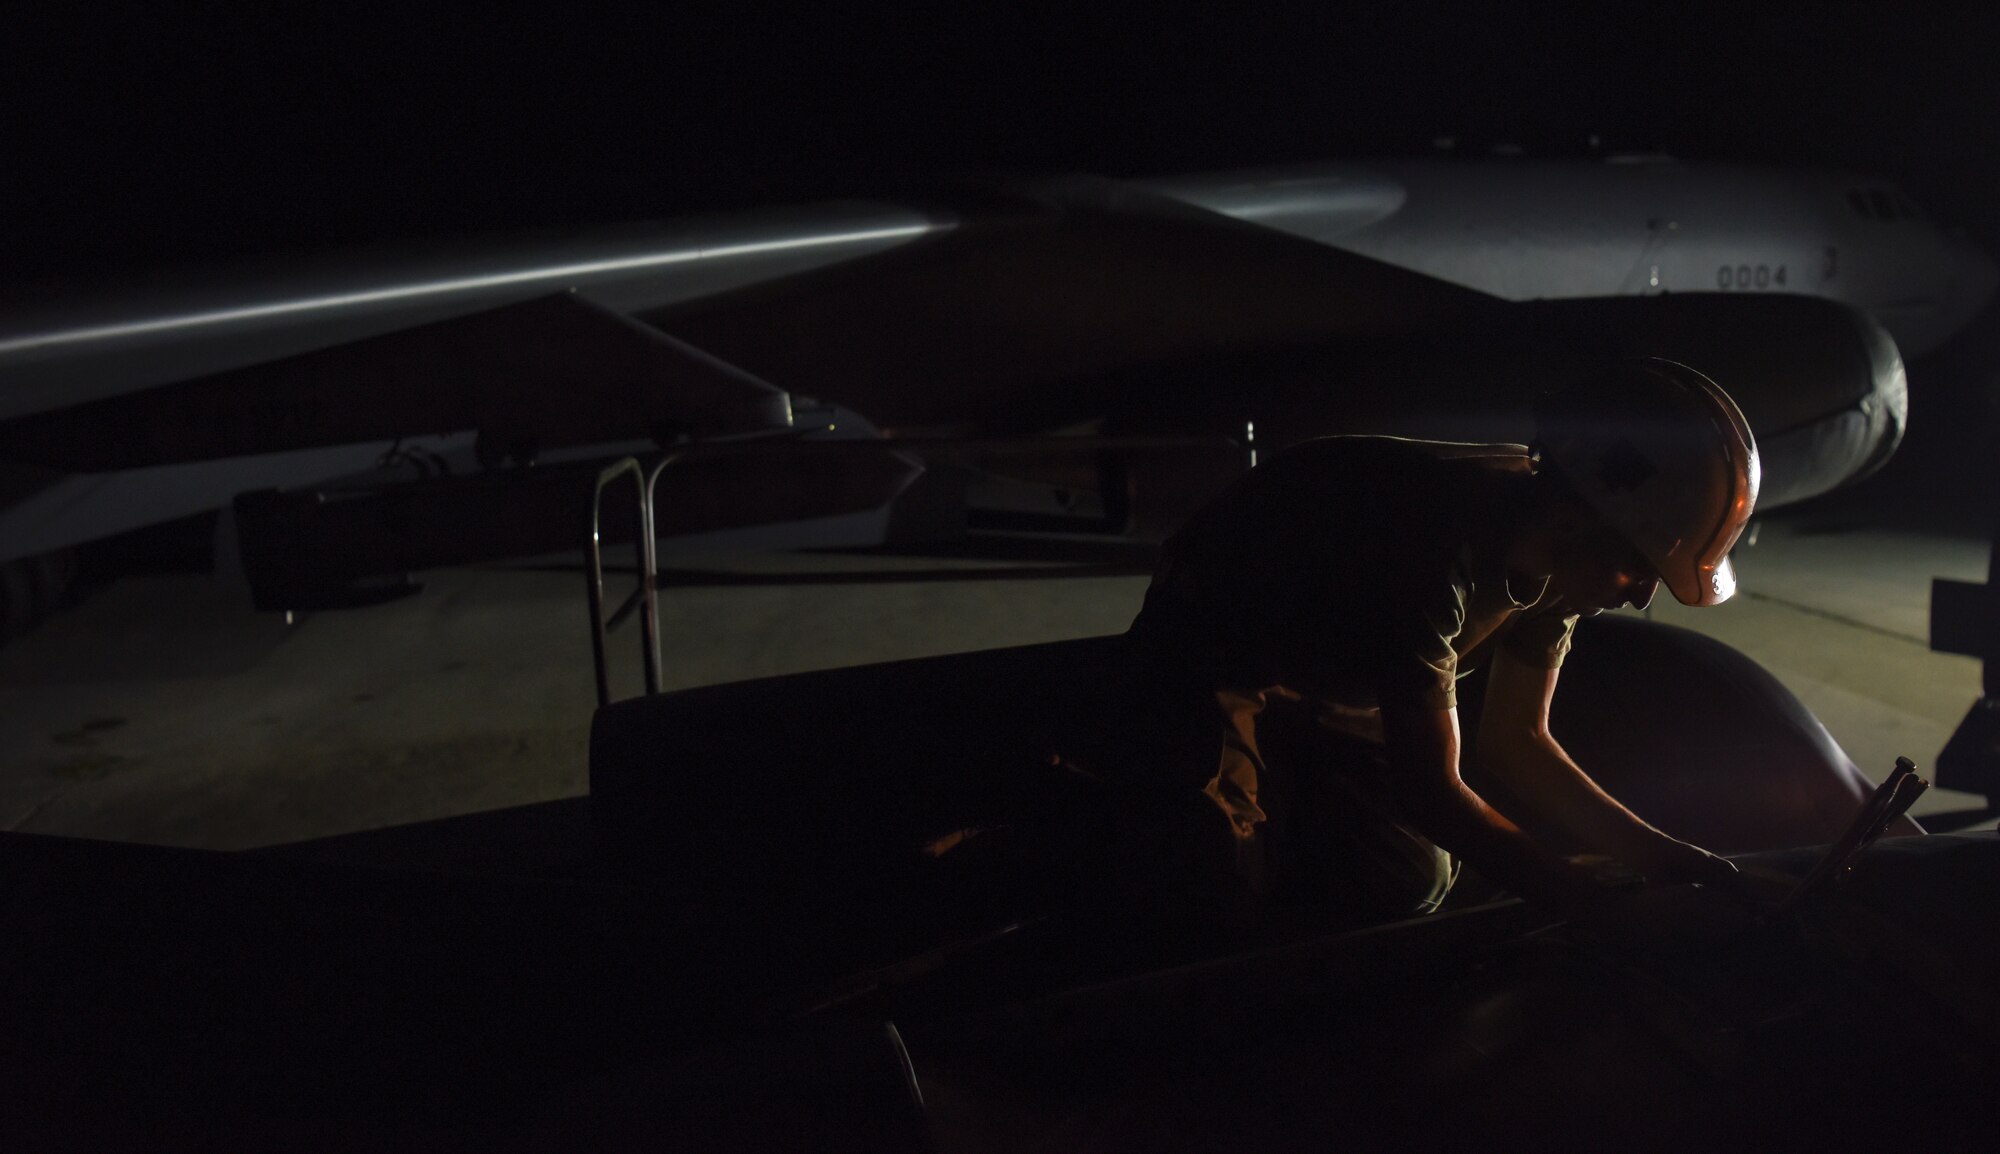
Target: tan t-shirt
[(1357, 570)]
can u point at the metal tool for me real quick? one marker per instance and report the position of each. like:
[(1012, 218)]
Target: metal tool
[(1891, 800)]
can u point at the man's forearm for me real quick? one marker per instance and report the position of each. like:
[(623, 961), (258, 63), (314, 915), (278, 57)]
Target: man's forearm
[(1423, 754), (1542, 776)]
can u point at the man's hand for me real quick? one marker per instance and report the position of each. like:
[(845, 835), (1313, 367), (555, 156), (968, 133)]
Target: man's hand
[(1671, 861)]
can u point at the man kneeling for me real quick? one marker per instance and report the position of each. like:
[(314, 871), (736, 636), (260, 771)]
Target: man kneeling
[(1355, 579)]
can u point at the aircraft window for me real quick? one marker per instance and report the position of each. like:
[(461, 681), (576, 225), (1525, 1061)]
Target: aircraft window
[(1879, 200), (1859, 202)]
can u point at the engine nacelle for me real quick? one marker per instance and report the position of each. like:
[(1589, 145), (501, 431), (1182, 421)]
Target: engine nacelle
[(1822, 386)]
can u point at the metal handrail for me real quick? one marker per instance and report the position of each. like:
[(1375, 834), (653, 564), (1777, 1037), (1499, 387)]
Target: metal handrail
[(652, 476), (644, 595), (653, 471)]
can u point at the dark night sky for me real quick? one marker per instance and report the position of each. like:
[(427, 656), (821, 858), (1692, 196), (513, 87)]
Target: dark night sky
[(170, 134)]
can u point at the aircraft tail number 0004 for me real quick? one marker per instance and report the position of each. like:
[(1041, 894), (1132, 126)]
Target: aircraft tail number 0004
[(1748, 276)]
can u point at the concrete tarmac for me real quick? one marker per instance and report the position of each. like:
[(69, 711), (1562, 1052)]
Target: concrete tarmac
[(162, 709)]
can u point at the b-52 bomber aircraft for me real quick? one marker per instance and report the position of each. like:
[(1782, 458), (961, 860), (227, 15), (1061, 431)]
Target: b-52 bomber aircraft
[(1420, 297), (785, 964)]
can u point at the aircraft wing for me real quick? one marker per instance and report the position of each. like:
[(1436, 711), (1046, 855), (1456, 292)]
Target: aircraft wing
[(994, 324), (554, 371), (966, 328)]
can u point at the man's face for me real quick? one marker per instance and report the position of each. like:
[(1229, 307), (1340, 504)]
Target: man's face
[(1599, 570)]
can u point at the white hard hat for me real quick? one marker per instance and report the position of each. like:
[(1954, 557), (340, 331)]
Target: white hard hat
[(1665, 457)]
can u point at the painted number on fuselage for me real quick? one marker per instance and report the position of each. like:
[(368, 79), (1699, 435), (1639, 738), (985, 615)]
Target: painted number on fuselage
[(1750, 276)]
